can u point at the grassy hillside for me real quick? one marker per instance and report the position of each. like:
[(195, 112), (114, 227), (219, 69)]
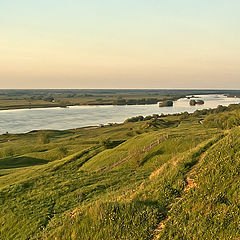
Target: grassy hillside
[(210, 205), (176, 177)]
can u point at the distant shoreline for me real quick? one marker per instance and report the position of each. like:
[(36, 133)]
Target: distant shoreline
[(33, 99), (19, 107), (55, 105)]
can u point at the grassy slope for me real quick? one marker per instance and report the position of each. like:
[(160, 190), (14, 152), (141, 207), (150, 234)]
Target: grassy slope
[(210, 207), (74, 188)]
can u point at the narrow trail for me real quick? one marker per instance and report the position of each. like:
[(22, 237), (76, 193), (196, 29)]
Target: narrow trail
[(190, 183)]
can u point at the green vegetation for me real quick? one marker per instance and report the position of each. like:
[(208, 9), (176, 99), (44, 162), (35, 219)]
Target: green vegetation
[(17, 99), (158, 177), (194, 102), (166, 104), (224, 120), (209, 208), (199, 102)]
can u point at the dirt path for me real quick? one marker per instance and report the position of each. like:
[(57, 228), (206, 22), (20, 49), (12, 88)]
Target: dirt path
[(190, 183)]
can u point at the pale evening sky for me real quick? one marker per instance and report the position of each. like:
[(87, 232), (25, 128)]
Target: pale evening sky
[(120, 44)]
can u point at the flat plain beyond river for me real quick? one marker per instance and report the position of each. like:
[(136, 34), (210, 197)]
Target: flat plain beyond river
[(25, 120)]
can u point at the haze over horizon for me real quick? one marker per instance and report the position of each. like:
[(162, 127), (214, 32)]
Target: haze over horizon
[(120, 44)]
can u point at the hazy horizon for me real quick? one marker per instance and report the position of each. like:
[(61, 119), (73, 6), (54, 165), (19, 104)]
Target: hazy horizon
[(119, 44), (95, 88)]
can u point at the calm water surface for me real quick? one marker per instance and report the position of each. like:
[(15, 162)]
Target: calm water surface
[(25, 120)]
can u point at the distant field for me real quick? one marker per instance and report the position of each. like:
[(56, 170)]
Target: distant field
[(17, 99), (173, 177)]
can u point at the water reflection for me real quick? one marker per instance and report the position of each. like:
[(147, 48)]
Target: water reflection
[(24, 120)]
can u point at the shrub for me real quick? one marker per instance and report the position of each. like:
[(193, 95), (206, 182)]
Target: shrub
[(106, 143), (223, 120), (166, 104), (192, 102), (135, 119)]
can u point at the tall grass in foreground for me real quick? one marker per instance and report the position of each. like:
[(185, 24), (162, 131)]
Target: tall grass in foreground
[(211, 209)]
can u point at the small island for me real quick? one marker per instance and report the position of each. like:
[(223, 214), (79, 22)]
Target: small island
[(194, 102), (167, 103), (189, 97)]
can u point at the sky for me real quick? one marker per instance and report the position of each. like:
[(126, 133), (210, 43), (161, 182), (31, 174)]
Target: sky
[(120, 44)]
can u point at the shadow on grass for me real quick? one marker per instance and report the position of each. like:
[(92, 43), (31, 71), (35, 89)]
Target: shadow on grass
[(19, 162), (151, 155), (116, 143)]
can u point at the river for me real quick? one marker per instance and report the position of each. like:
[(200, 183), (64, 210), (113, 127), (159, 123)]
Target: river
[(25, 120)]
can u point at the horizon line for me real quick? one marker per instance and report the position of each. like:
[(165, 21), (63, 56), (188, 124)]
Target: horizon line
[(233, 89)]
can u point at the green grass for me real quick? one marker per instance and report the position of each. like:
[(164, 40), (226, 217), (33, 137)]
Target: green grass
[(125, 181), (210, 210)]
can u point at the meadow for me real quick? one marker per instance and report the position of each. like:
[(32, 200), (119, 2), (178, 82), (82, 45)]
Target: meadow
[(158, 177)]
